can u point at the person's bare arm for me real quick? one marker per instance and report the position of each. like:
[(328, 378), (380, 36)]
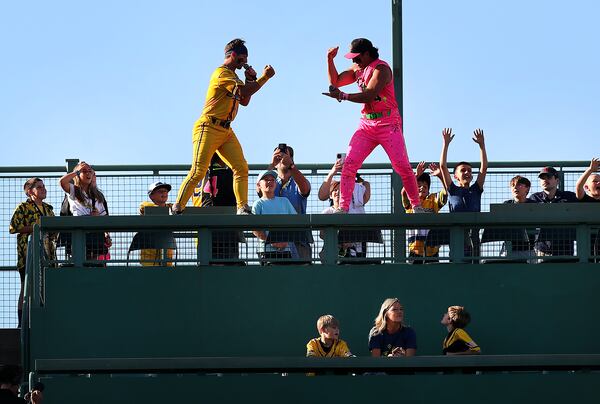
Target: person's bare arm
[(382, 75), (252, 87), (326, 185), (447, 137), (301, 181), (579, 188), (66, 179), (376, 352), (367, 195), (338, 79), (480, 140)]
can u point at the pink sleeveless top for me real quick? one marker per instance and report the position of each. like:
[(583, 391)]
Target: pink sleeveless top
[(386, 100)]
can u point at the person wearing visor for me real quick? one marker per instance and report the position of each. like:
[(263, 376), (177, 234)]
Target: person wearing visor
[(212, 131), (381, 123)]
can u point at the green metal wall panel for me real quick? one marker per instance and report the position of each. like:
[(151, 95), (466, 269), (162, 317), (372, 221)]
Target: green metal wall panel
[(117, 312)]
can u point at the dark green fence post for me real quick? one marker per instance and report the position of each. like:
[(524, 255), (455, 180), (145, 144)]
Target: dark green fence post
[(399, 235), (583, 242), (330, 246), (204, 246), (71, 164)]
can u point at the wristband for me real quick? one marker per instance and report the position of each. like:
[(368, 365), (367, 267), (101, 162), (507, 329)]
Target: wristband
[(262, 80)]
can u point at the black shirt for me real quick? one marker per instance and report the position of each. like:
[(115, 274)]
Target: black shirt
[(559, 197), (587, 198)]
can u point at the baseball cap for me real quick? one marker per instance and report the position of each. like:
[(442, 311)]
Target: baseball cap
[(548, 171), (263, 174), (155, 185), (358, 46)]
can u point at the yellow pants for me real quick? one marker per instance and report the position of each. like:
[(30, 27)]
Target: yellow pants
[(152, 258), (209, 138)]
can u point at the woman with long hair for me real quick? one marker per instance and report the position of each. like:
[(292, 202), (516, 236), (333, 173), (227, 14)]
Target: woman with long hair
[(389, 336), (85, 199)]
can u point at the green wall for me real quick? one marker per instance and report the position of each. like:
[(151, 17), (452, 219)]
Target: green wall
[(254, 311)]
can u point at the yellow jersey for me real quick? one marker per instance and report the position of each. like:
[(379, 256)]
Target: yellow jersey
[(432, 203), (223, 95), (458, 340), (338, 349)]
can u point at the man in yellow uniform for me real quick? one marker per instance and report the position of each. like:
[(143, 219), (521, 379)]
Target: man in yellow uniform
[(213, 133)]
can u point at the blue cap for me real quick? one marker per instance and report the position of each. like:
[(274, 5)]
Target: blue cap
[(263, 174)]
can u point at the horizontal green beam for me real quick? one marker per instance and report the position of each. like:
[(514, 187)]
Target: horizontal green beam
[(301, 364), (513, 215), (163, 168)]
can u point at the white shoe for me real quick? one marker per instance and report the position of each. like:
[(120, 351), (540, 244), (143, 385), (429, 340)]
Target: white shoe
[(244, 210), (420, 209), (176, 209), (339, 211)]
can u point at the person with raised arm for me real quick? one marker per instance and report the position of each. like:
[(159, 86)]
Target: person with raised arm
[(212, 131), (380, 124)]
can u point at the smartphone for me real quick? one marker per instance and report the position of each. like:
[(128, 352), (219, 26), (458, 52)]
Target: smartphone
[(282, 147), (341, 157)]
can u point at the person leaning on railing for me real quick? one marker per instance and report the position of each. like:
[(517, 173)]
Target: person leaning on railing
[(360, 195), (290, 183), (85, 199), (588, 185), (158, 192), (389, 336), (430, 203), (24, 217), (269, 204), (561, 244)]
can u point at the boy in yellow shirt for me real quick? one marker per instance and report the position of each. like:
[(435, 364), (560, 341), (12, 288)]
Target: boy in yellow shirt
[(158, 192), (329, 344), (458, 342)]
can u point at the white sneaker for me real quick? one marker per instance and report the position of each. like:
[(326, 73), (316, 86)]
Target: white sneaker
[(176, 209), (339, 211), (244, 210)]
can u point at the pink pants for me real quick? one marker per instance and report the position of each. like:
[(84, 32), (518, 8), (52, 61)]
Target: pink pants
[(370, 134)]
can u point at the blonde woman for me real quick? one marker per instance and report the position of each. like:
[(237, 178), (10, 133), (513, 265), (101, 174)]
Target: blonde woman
[(85, 199), (389, 336)]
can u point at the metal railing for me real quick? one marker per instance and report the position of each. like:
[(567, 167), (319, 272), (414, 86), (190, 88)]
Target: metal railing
[(125, 187)]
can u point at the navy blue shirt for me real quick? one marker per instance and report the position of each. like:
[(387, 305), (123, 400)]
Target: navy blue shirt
[(587, 198), (404, 338), (559, 197), (462, 199)]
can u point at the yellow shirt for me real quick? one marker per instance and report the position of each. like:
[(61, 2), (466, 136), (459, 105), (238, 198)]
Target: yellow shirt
[(338, 349), (433, 203), (458, 340), (223, 95)]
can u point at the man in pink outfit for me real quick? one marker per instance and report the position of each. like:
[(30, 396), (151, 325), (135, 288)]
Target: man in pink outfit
[(381, 123)]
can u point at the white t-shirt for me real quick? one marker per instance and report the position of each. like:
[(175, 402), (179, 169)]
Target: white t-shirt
[(83, 209), (358, 195)]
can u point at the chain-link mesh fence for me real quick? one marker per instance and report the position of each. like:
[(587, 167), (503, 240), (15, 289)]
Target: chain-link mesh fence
[(126, 187)]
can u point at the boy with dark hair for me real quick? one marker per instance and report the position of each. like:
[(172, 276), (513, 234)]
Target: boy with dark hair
[(458, 342), (464, 197), (519, 187), (431, 203)]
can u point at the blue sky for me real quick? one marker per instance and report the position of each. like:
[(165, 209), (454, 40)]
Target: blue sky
[(122, 82)]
